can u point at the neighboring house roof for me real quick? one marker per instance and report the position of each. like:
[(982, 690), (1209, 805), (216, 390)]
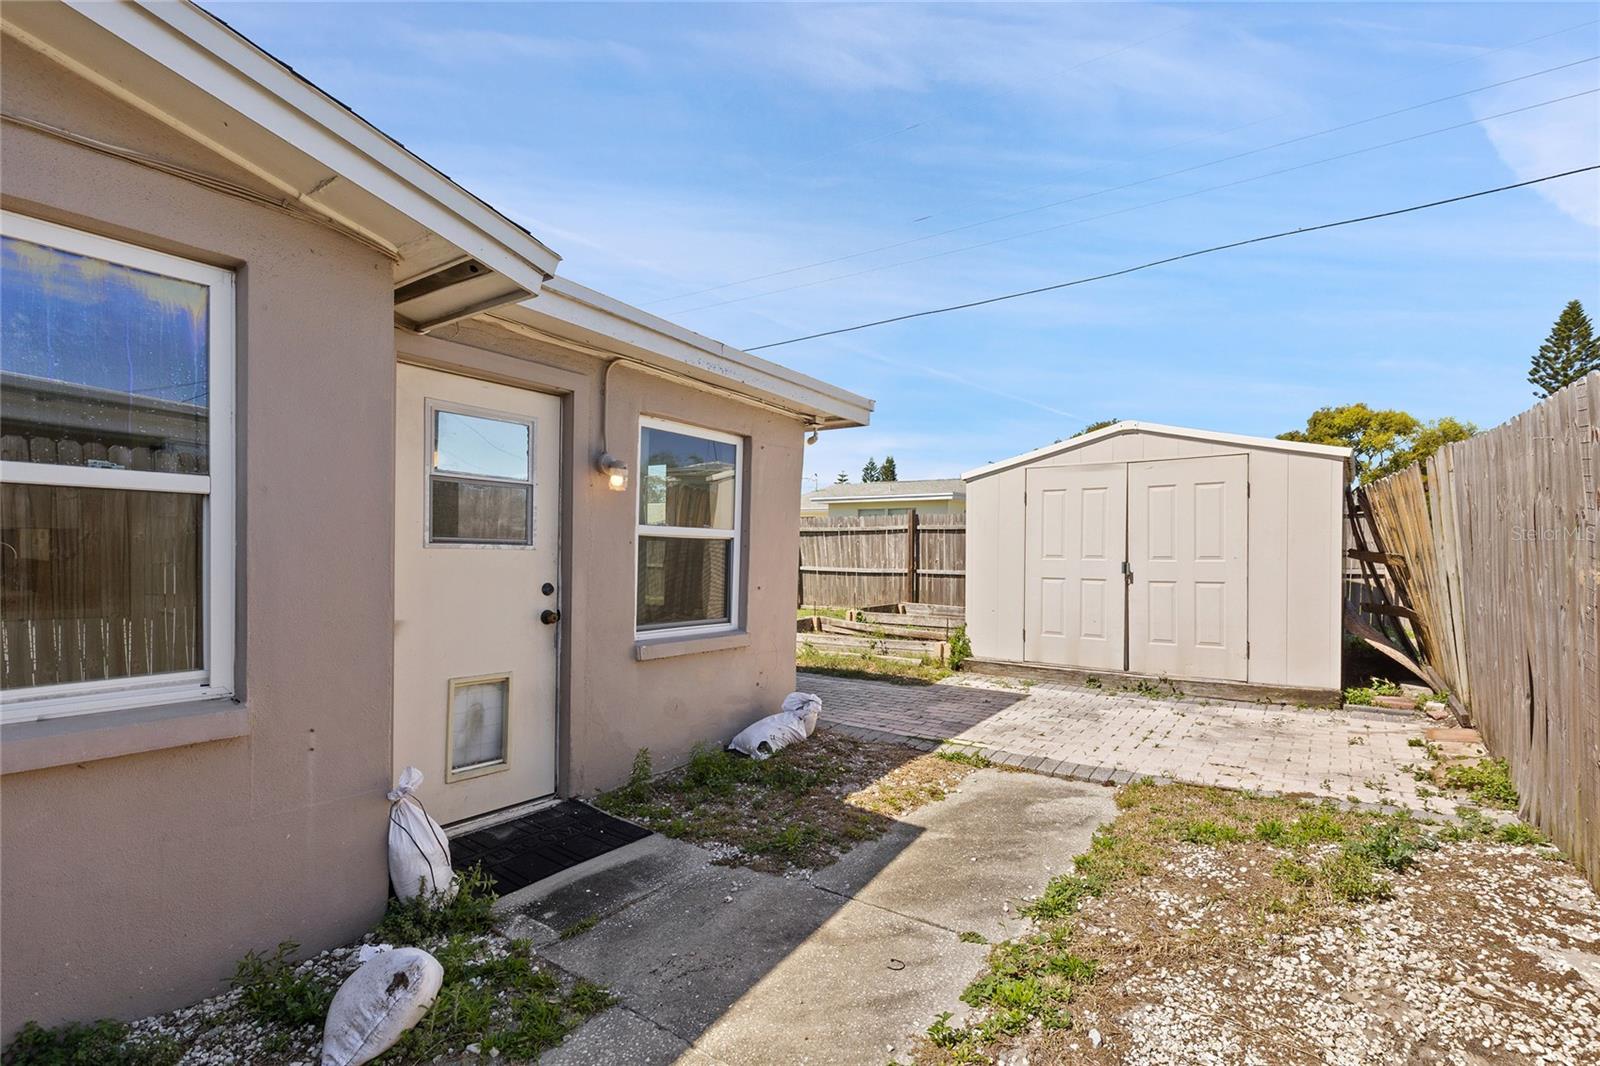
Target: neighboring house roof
[(1119, 428), (948, 488), (454, 255), (809, 504)]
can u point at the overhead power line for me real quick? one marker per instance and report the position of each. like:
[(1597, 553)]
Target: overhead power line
[(1142, 181), (1139, 206), (1177, 258)]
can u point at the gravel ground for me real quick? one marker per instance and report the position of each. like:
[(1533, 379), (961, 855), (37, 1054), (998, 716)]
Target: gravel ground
[(220, 1032), (1485, 953)]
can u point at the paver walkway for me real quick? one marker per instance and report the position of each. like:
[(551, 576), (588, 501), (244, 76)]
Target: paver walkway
[(1089, 735)]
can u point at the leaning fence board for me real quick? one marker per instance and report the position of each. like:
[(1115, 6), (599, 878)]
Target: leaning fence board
[(1501, 536)]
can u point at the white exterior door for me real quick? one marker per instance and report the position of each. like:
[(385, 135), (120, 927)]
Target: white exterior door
[(1188, 532), (1074, 604), (477, 493)]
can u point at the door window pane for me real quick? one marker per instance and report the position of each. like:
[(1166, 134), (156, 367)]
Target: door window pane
[(479, 512), (683, 581), (688, 481), (98, 584), (105, 365), (485, 447), (478, 723)]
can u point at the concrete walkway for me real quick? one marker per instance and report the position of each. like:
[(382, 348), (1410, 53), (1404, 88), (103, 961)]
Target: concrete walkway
[(719, 965), (1089, 735)]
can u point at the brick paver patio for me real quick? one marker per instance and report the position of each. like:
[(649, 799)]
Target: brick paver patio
[(1089, 735)]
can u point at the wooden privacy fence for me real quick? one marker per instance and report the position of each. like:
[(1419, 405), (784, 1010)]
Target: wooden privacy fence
[(861, 562), (1498, 538)]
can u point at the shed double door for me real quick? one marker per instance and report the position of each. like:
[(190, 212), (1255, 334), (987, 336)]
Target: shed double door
[(1139, 566)]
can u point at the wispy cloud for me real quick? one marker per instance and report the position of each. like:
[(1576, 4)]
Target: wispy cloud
[(471, 47), (1551, 139)]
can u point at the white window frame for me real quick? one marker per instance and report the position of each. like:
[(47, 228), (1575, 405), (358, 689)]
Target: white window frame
[(215, 680), (735, 536), (430, 436)]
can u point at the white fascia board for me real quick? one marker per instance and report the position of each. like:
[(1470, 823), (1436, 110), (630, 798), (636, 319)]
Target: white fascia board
[(219, 62), (564, 307), (1326, 451)]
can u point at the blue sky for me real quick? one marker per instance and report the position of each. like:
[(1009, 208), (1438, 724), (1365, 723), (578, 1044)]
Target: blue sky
[(669, 150)]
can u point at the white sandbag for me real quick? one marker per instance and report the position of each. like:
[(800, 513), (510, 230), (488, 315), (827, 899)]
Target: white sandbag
[(805, 704), (794, 723), (419, 852), (388, 994)]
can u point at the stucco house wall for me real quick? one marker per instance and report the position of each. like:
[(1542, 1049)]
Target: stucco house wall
[(145, 851), (127, 880), (612, 702)]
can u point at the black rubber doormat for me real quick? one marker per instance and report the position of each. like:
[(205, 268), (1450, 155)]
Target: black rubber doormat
[(555, 838)]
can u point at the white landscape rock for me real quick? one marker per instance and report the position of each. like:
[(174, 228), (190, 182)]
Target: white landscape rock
[(388, 994)]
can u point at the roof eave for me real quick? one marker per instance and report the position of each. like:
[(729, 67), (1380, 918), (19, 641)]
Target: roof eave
[(285, 131), (566, 309), (1074, 443)]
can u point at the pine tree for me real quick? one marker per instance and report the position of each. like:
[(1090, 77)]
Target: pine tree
[(870, 471), (886, 472), (1570, 352), (842, 479)]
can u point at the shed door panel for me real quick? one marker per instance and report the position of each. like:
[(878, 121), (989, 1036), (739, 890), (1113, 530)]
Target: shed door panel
[(1074, 599), (1188, 529)]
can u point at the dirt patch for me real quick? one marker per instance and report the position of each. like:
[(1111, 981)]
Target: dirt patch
[(1216, 927), (799, 810)]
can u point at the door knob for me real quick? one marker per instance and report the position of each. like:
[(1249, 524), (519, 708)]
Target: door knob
[(549, 617)]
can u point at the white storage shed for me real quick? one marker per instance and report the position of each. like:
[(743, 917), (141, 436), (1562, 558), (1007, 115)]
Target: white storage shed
[(1209, 559)]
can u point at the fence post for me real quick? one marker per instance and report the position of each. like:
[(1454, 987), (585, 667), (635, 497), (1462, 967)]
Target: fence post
[(911, 556)]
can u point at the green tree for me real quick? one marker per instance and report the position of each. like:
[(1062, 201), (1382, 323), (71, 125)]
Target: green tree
[(842, 479), (1092, 426), (1383, 441), (886, 472), (1570, 352), (869, 472)]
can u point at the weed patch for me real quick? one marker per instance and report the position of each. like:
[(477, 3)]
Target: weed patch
[(431, 916), (274, 991), (102, 1043), (1487, 781), (800, 809)]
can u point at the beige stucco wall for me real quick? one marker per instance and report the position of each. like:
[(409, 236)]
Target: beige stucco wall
[(613, 704), (132, 883), (1294, 569)]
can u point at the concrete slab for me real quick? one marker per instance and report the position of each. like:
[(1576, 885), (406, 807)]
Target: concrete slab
[(854, 993), (599, 887), (959, 863), (619, 1037), (841, 967)]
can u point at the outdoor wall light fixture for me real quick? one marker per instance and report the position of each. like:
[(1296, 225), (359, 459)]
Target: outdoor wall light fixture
[(616, 472), (813, 438)]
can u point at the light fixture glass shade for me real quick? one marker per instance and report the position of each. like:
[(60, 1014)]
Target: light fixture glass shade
[(616, 472)]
